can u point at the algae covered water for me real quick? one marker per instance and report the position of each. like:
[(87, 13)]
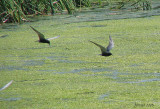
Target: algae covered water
[(70, 73)]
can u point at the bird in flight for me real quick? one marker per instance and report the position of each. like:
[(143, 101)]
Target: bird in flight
[(106, 51), (7, 85), (42, 38)]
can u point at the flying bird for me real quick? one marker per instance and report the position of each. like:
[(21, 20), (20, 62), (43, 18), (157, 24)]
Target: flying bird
[(106, 51), (42, 37), (7, 85)]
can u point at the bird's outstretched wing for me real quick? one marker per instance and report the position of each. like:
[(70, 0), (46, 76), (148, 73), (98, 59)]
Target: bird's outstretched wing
[(103, 49), (111, 44), (53, 38), (40, 35), (7, 85)]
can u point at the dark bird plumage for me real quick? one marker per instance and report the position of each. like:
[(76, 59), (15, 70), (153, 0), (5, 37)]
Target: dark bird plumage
[(7, 85), (106, 51), (42, 37)]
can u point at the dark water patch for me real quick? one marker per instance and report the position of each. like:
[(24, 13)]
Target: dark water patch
[(141, 74), (11, 68), (83, 26), (98, 25), (32, 48), (40, 55), (93, 26), (135, 65), (101, 14), (156, 7), (95, 70), (118, 77), (103, 96), (48, 70), (26, 63), (141, 81), (33, 62), (30, 80), (10, 99), (115, 75), (3, 36), (9, 27), (42, 83), (107, 99), (66, 99), (102, 17), (86, 92), (56, 57), (13, 56), (71, 61), (110, 72), (48, 47), (150, 80), (64, 59)]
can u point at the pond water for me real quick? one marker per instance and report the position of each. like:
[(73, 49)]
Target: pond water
[(71, 69)]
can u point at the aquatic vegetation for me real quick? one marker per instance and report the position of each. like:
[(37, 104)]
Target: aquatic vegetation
[(134, 4), (18, 10), (71, 73), (22, 10)]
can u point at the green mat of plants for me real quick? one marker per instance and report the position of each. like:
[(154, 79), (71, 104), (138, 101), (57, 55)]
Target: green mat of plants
[(70, 74)]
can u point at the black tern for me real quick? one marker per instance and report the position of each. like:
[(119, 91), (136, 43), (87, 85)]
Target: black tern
[(106, 51), (42, 38), (7, 85)]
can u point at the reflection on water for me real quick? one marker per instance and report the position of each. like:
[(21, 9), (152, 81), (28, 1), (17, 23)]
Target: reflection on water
[(31, 80), (33, 62), (108, 99), (10, 68), (141, 81), (66, 99), (118, 77), (10, 99), (49, 47), (103, 96), (9, 27), (85, 69)]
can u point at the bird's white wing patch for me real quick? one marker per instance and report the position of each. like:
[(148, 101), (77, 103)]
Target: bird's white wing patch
[(111, 44), (53, 38), (7, 85)]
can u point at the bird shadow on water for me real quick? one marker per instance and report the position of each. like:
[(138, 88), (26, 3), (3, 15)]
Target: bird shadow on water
[(3, 36)]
